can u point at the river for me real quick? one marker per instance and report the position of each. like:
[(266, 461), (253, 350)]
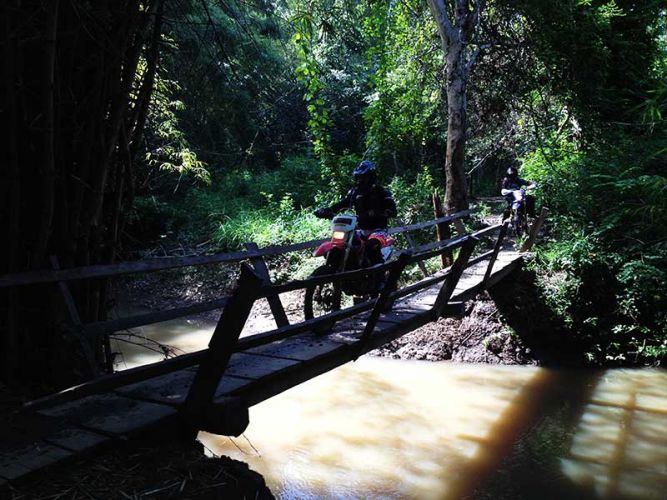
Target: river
[(382, 428)]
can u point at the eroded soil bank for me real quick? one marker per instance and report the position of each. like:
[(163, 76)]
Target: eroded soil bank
[(510, 324), (147, 470)]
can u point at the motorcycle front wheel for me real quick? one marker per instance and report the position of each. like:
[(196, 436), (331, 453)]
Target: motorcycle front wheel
[(322, 299), (518, 223)]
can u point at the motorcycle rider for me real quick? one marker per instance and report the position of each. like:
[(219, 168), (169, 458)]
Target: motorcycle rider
[(372, 203), (511, 183)]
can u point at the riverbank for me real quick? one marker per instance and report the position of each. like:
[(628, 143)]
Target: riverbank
[(151, 469), (478, 336), (510, 324)]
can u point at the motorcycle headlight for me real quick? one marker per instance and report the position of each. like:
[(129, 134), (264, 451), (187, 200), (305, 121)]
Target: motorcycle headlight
[(339, 235)]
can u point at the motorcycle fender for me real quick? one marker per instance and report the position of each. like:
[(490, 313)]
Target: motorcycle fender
[(324, 249), (384, 239)]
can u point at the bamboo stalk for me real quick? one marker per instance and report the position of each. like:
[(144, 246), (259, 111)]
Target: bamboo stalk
[(48, 169), (10, 340)]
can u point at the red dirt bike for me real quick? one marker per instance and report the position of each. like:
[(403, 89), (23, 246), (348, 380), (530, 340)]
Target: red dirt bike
[(349, 249)]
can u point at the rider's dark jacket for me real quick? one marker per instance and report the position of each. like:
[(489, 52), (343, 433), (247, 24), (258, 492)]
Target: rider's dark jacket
[(373, 206), (513, 183)]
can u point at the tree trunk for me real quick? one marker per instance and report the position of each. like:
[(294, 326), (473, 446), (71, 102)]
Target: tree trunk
[(456, 190), (456, 20)]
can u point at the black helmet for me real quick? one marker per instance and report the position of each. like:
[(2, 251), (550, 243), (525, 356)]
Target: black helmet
[(365, 175), (366, 167)]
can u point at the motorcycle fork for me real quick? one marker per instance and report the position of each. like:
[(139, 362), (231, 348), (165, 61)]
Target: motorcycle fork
[(334, 258), (346, 255)]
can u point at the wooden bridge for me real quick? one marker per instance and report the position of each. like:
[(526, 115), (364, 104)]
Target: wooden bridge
[(212, 389)]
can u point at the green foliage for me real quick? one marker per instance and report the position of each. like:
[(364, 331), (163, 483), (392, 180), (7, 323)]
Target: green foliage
[(234, 65), (282, 100), (611, 244), (167, 147), (592, 72), (610, 204), (253, 197), (279, 222), (620, 188), (269, 209), (309, 73), (404, 113), (413, 196)]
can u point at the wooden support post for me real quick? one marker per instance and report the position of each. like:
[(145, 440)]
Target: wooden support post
[(534, 229), (220, 348), (383, 302), (411, 244), (496, 249), (443, 231), (75, 325), (460, 227), (262, 271), (452, 280)]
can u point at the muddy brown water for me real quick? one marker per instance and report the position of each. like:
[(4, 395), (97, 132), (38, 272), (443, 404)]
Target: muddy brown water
[(384, 428)]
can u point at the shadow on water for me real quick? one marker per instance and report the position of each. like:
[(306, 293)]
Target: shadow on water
[(387, 429), (604, 439)]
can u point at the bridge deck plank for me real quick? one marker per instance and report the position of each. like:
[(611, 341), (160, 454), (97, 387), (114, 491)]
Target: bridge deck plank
[(30, 457), (302, 348), (77, 440), (111, 413), (32, 441), (10, 468), (23, 451), (303, 357), (172, 388), (252, 366)]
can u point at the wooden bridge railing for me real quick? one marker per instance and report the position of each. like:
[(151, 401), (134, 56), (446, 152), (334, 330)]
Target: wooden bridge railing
[(85, 331), (164, 263), (238, 307), (199, 409)]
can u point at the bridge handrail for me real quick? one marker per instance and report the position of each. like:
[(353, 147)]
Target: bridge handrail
[(163, 263), (145, 372), (125, 323), (421, 253)]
